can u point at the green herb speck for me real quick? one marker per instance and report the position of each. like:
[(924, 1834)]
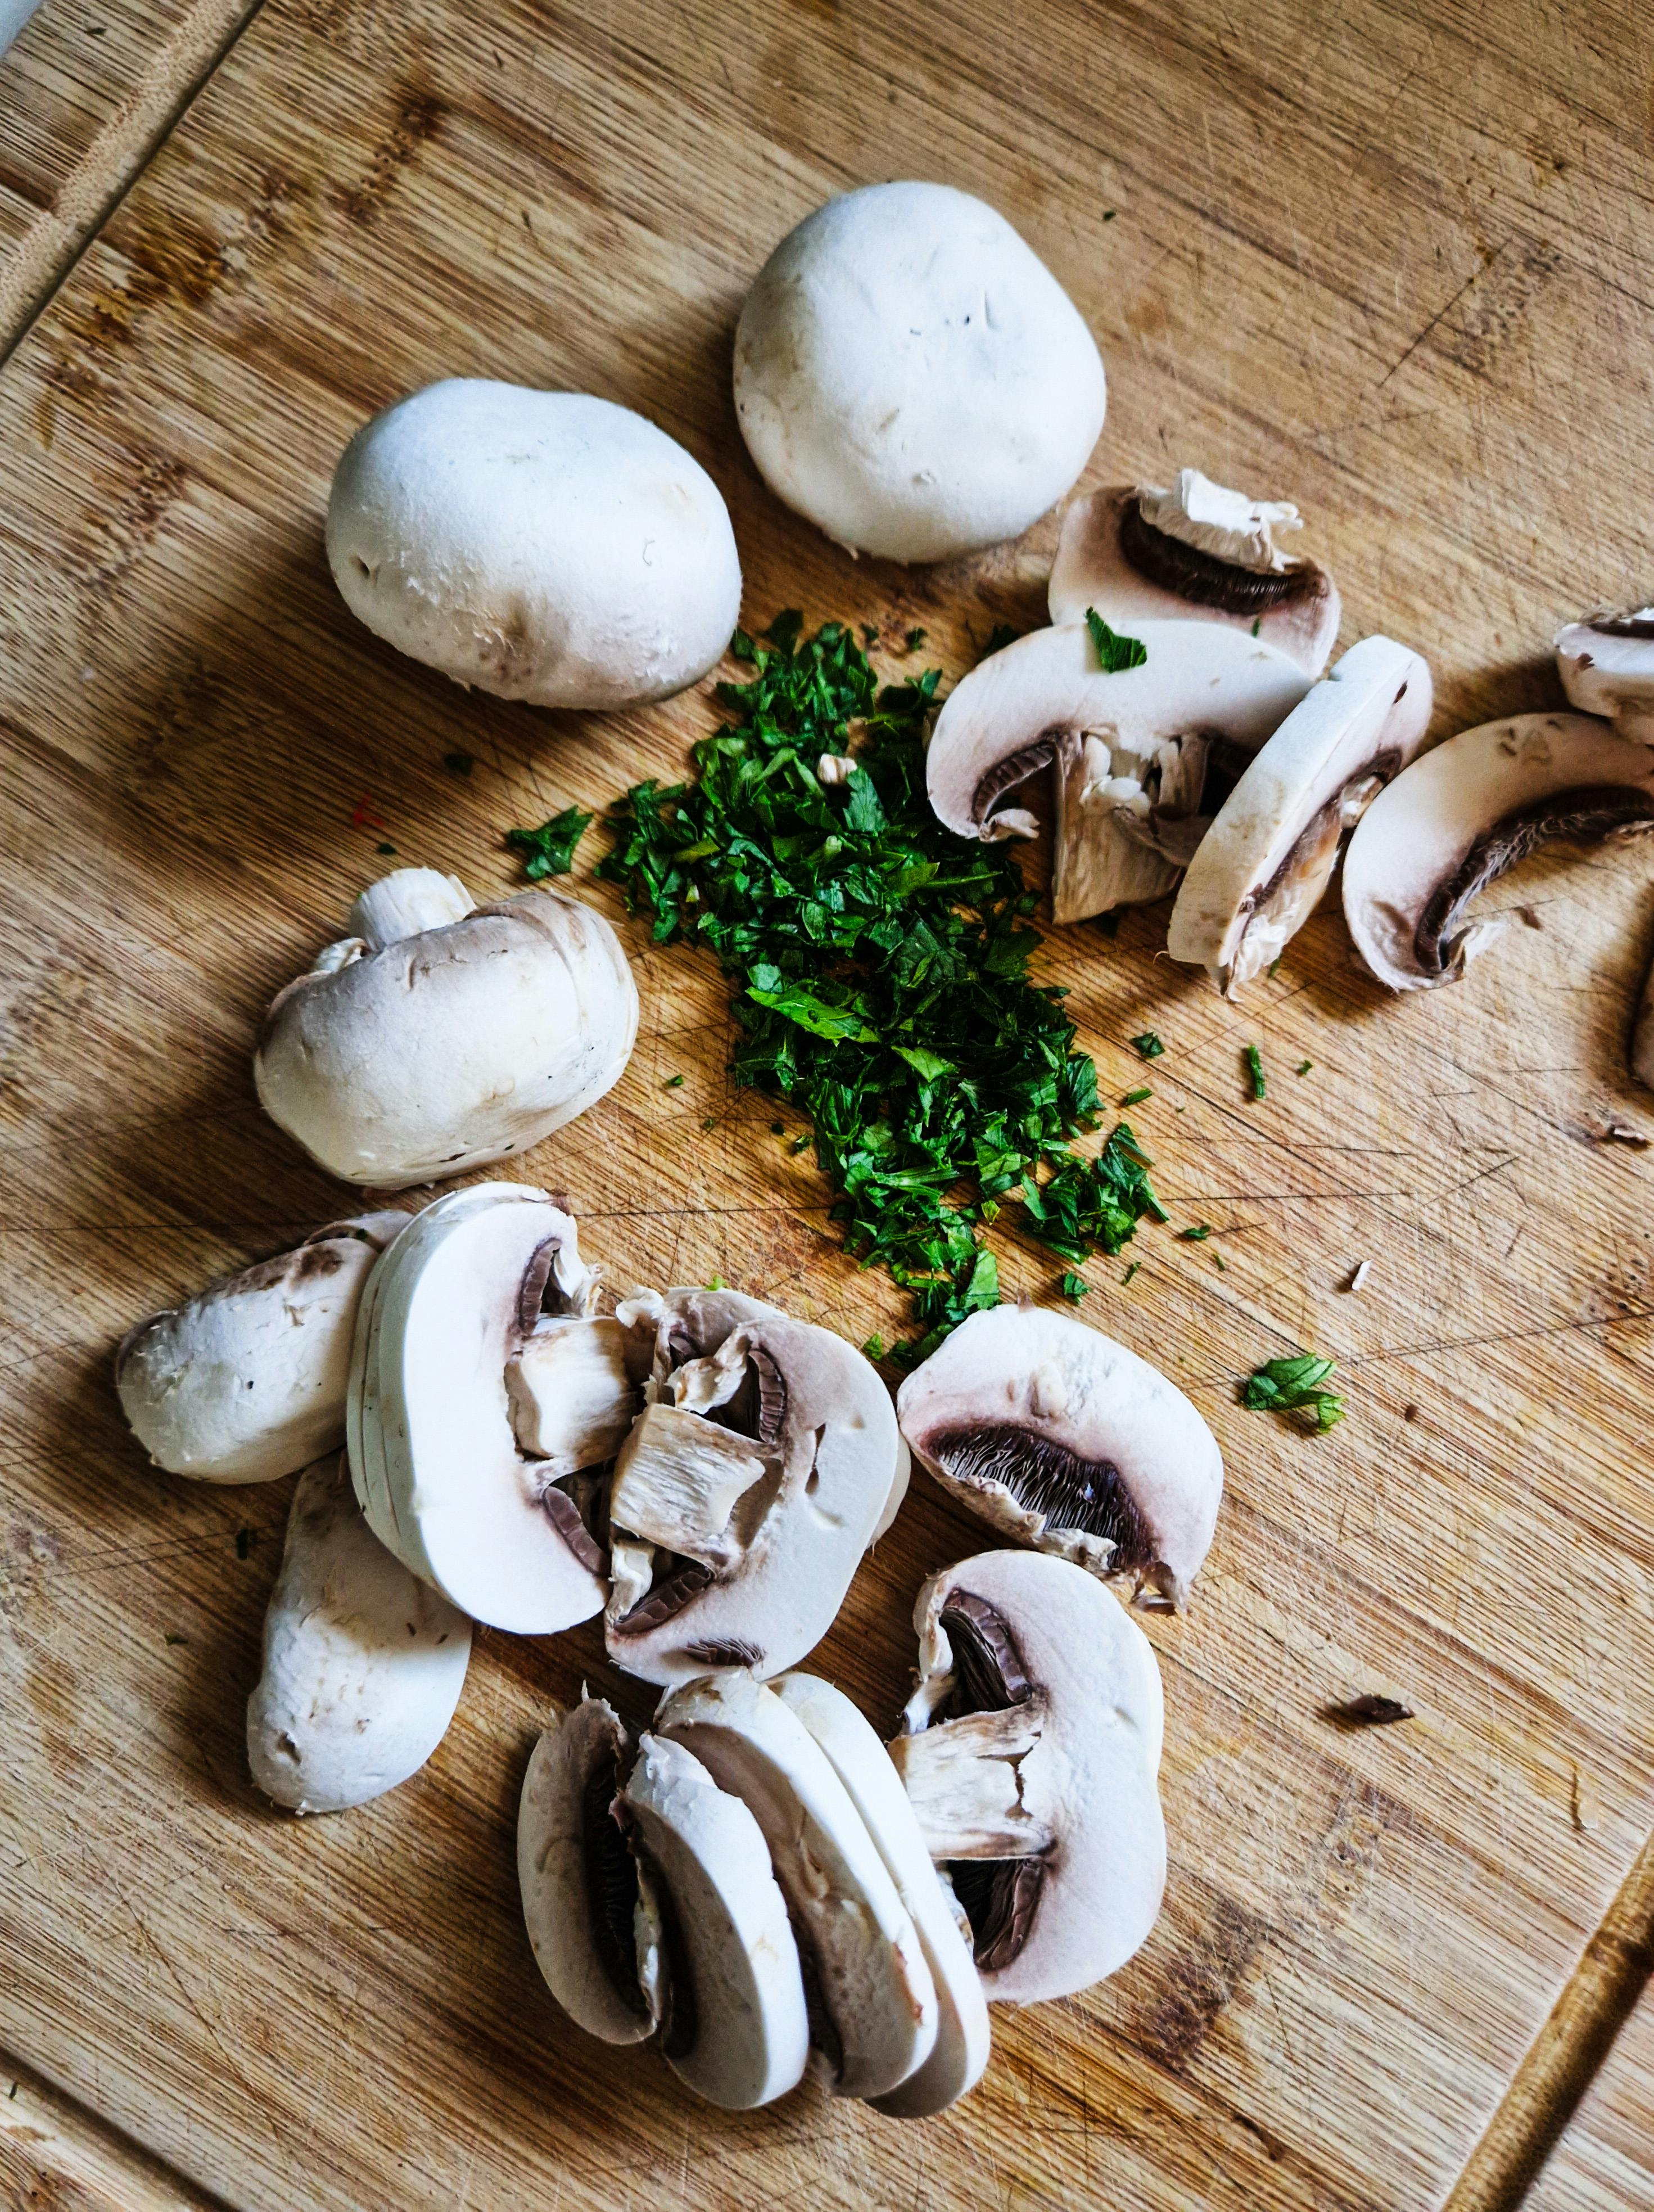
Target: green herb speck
[(1129, 1273), (459, 763), (1074, 1287), (874, 1347), (550, 850), (1198, 1235), (1114, 653), (1304, 1066), (672, 1083), (388, 851), (1254, 1059), (173, 1638), (916, 639), (1294, 1385), (717, 1284), (1148, 1046), (1274, 966), (1257, 624), (1136, 1097)]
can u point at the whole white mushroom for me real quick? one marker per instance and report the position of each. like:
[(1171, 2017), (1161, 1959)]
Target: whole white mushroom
[(542, 545), (910, 376)]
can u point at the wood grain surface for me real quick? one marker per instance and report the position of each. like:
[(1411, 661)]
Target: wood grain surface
[(1390, 260), (1605, 2162)]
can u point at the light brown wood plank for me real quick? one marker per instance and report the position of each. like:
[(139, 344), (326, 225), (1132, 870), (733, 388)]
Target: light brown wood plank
[(1605, 2162)]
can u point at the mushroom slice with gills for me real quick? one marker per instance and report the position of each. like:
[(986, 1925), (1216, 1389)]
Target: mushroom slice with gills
[(363, 1665), (572, 1397), (247, 1380), (1606, 662), (1068, 1442), (1462, 814), (433, 1451), (1127, 751), (1030, 1756), (873, 2009), (441, 1035), (1197, 552), (863, 1766), (747, 1490), (1262, 867)]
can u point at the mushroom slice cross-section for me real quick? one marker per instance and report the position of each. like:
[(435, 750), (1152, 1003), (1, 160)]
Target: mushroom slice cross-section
[(1127, 752), (748, 1489), (364, 1664), (1068, 1442), (441, 1035), (437, 1461), (1606, 662), (1030, 1756), (864, 1766), (1262, 867), (874, 2011), (1454, 822), (1196, 552), (247, 1380)]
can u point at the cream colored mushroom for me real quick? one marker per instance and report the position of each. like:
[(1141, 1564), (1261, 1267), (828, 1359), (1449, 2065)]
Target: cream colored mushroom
[(1127, 751), (1606, 662), (247, 1380), (542, 545), (441, 1037), (1196, 552)]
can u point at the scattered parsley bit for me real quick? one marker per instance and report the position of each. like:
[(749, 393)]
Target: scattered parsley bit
[(1304, 1066), (388, 851), (803, 1144), (878, 971), (711, 1122), (672, 1083), (1107, 925), (1148, 1046), (874, 1347), (1114, 653), (1274, 966), (1195, 1236), (1369, 1711), (1257, 624), (1220, 1263), (550, 849), (778, 1128), (173, 1638), (1254, 1059), (1136, 1097), (916, 639), (1074, 1287), (243, 1542), (1129, 1273), (1288, 1386), (999, 637), (459, 763), (1109, 215), (869, 635), (717, 1284)]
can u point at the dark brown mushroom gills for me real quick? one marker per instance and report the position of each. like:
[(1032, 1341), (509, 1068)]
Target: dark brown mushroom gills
[(1204, 580), (1046, 1478), (612, 1882)]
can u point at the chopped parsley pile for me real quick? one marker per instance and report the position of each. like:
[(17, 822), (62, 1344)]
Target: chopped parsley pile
[(880, 966)]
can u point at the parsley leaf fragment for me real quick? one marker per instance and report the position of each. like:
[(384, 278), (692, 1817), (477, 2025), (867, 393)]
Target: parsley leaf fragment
[(1255, 1078), (1148, 1046), (1289, 1386), (550, 849), (1074, 1287), (1114, 653)]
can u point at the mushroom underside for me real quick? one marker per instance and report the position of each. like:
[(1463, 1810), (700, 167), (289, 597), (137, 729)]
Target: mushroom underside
[(1273, 913), (1204, 580), (1043, 1478)]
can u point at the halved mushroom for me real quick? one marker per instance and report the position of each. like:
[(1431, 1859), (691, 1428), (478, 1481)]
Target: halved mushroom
[(1197, 552), (748, 1489), (363, 1665), (1127, 751), (1031, 1755), (1606, 662), (1262, 867), (874, 2011), (649, 1902), (1454, 822), (442, 1036), (247, 1381), (863, 1766), (1068, 1442), (438, 1465)]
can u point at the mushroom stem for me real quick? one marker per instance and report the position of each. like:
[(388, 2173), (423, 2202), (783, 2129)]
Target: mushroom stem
[(572, 1401), (964, 1780), (406, 902), (677, 1481)]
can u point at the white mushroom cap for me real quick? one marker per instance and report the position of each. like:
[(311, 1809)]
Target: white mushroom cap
[(736, 2027), (406, 1059), (804, 1458), (863, 1764), (877, 1999), (1128, 751), (1262, 868), (433, 1450), (1134, 571), (542, 545), (1462, 814), (363, 1665), (911, 377), (1606, 662), (1064, 1439), (247, 1381), (1038, 1712)]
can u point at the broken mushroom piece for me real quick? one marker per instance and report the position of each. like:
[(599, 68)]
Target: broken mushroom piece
[(1031, 1757), (1068, 1442), (363, 1665), (874, 2011), (440, 1036), (1195, 553), (1606, 662), (247, 1381), (748, 1489), (442, 1475), (1127, 751), (863, 1764), (1262, 867), (1462, 814)]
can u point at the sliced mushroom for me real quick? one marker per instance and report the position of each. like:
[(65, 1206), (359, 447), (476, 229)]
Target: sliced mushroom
[(757, 1476), (442, 1036), (1263, 867), (436, 1462), (1606, 662), (863, 1764), (1196, 553), (1454, 822), (1127, 751), (1031, 1755), (363, 1665), (873, 2012), (1066, 1441), (247, 1381)]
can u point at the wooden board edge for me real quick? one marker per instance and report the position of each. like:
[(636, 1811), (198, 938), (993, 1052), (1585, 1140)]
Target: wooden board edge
[(53, 2151)]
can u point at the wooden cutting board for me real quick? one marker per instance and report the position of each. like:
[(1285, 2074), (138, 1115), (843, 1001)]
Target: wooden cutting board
[(1390, 260)]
